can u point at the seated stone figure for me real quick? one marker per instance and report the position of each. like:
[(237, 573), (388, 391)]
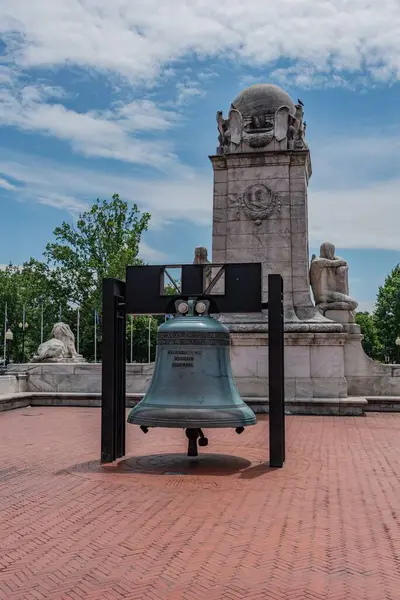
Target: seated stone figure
[(329, 281), (201, 258), (60, 348)]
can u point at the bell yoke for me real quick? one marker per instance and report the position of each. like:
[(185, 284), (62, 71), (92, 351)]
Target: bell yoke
[(192, 385)]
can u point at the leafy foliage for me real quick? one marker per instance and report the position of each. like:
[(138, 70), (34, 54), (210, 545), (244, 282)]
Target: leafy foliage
[(104, 240), (34, 289), (371, 342), (387, 314), (141, 326)]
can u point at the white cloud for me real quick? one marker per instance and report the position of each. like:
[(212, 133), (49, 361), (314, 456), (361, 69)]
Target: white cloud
[(6, 185), (62, 202), (6, 75), (187, 91), (113, 133), (350, 203), (139, 39), (349, 215), (357, 217), (345, 160), (186, 197), (149, 254), (305, 76), (168, 200), (366, 306)]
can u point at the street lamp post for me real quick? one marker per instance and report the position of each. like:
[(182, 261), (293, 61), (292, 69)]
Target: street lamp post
[(397, 342), (9, 338), (23, 326)]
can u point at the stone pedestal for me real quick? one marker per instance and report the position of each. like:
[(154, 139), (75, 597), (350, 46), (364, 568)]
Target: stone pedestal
[(314, 365), (340, 316)]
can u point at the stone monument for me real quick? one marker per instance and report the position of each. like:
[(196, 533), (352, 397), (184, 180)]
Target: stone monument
[(60, 348), (261, 171)]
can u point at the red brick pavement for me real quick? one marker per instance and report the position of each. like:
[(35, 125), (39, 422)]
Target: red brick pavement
[(159, 527)]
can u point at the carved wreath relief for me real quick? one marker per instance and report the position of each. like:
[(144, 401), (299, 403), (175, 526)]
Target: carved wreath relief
[(259, 202)]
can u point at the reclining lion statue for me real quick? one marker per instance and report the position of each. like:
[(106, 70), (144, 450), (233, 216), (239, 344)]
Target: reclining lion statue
[(60, 348)]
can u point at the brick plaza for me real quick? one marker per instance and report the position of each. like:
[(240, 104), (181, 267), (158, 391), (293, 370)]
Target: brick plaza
[(160, 526)]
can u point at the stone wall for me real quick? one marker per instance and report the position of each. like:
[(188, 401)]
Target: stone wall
[(364, 376), (13, 384), (317, 366), (314, 365), (78, 378)]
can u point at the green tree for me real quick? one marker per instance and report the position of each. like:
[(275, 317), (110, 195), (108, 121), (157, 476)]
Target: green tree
[(387, 314), (30, 290), (371, 343), (141, 326), (106, 239), (11, 304)]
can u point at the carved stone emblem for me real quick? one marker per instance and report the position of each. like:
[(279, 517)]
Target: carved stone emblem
[(258, 139), (259, 202)]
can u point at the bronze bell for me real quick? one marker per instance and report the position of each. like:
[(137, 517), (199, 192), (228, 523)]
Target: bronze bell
[(192, 385)]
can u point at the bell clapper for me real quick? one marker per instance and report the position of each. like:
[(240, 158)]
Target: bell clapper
[(203, 441), (192, 435), (239, 430)]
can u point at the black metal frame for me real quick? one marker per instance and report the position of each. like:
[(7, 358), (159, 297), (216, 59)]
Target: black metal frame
[(143, 294), (242, 287), (276, 372), (113, 371)]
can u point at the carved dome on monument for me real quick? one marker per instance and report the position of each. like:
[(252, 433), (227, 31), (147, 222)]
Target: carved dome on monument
[(261, 99)]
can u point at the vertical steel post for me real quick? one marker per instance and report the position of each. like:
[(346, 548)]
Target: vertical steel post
[(276, 373), (131, 346), (120, 388), (113, 371), (149, 342)]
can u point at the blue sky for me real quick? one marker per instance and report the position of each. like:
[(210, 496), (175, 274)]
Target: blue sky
[(98, 97)]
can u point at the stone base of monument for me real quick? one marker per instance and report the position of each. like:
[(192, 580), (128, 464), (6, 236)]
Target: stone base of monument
[(314, 365), (318, 366)]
